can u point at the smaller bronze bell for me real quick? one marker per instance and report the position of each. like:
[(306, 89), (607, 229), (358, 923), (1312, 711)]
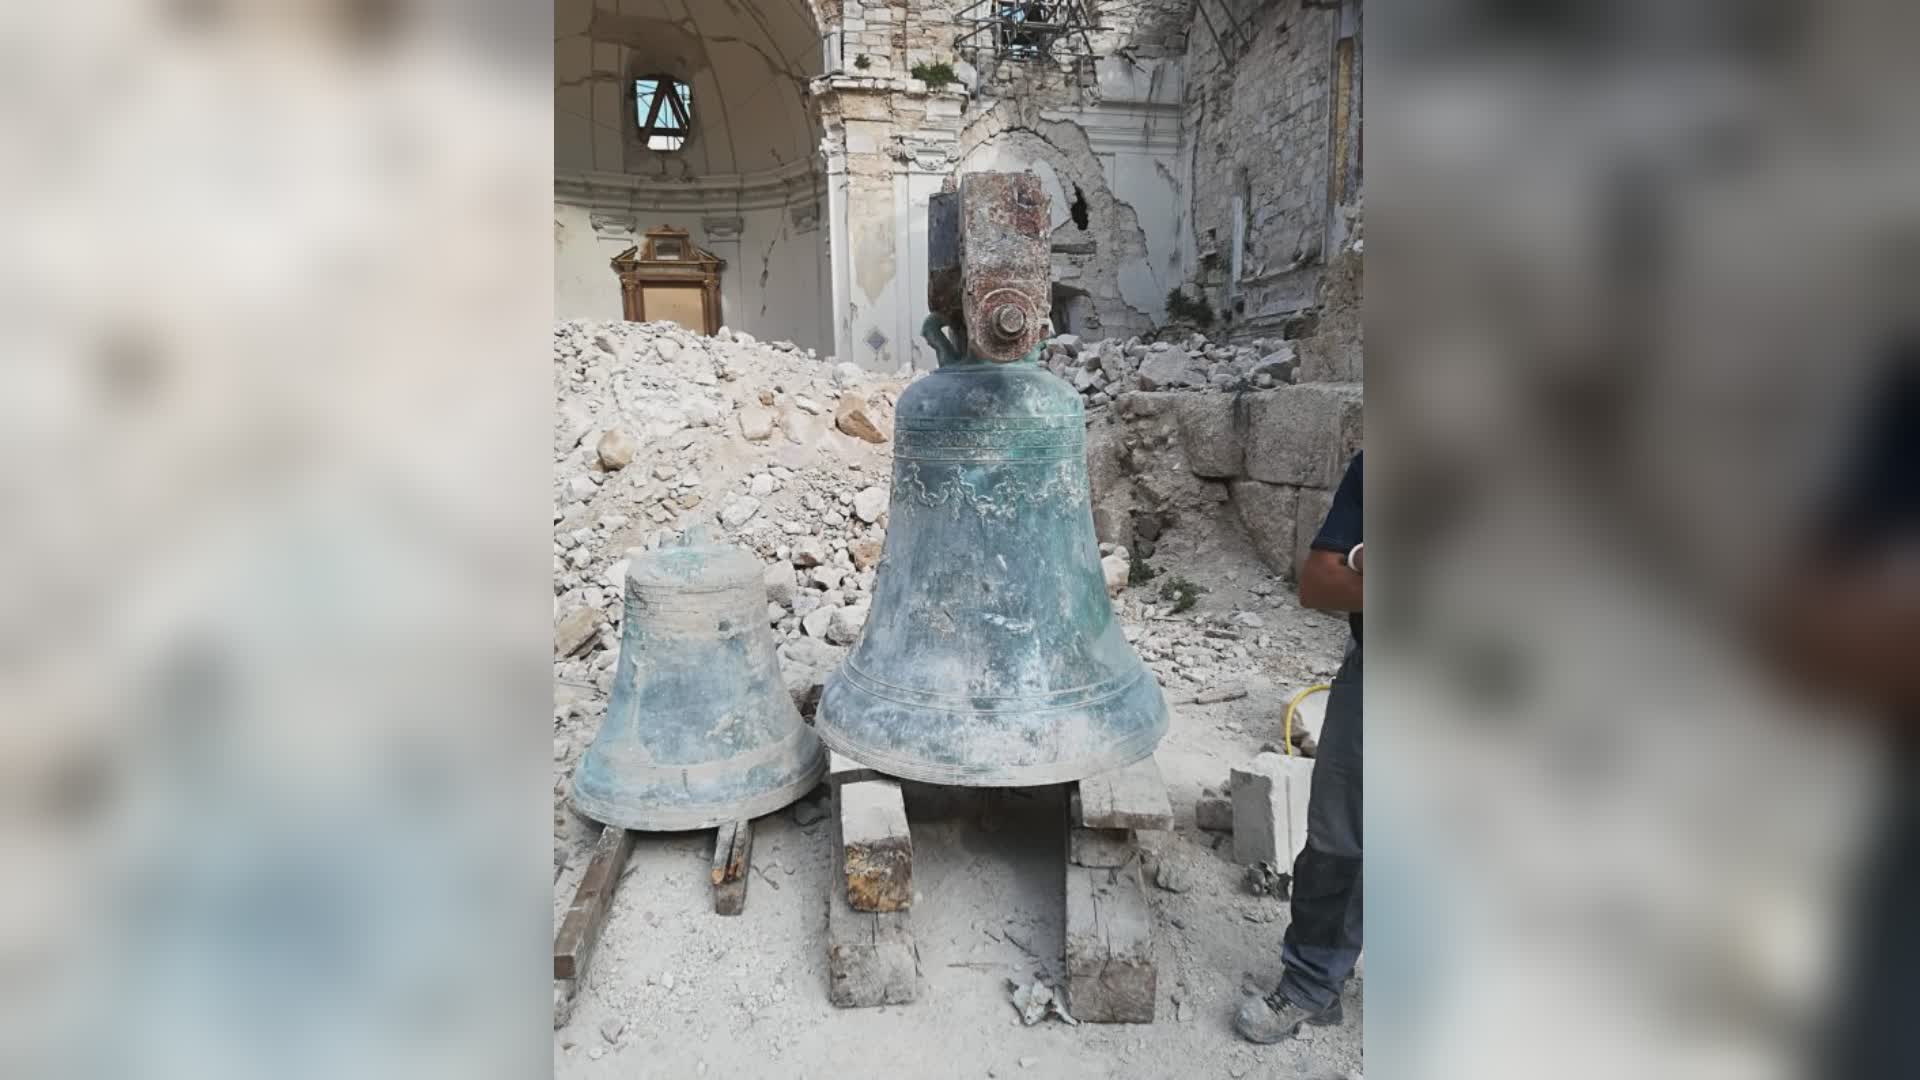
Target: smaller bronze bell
[(700, 729)]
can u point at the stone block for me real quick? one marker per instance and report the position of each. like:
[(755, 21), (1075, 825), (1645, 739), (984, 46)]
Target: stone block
[(1302, 435), (1169, 369), (1269, 513), (1309, 514), (1212, 428), (1270, 809), (1213, 812)]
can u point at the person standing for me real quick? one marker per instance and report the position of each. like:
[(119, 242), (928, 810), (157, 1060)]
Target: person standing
[(1322, 943)]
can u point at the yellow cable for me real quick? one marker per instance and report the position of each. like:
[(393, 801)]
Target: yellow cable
[(1286, 725)]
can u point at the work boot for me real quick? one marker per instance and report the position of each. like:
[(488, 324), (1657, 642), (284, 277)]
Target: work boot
[(1273, 1018)]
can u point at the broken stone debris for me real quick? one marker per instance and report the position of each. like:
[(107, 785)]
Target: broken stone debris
[(1036, 1001), (1106, 369)]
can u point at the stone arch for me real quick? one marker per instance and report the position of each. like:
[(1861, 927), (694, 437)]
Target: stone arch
[(1089, 261)]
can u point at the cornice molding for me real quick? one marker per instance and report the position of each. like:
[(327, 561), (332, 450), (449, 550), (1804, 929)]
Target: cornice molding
[(798, 182)]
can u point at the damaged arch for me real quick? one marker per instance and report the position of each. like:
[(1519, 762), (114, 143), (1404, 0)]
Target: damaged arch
[(1100, 251)]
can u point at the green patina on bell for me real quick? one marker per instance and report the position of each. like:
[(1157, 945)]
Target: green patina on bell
[(700, 729), (991, 655)]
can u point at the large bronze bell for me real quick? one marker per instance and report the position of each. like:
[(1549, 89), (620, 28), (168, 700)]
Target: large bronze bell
[(700, 729), (991, 656)]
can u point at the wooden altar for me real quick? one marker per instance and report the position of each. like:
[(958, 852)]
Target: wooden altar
[(666, 276)]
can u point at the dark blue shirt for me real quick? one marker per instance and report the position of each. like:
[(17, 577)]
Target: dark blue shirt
[(1342, 529)]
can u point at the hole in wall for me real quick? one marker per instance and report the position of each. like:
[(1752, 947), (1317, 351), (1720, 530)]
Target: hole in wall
[(1079, 208), (1072, 311)]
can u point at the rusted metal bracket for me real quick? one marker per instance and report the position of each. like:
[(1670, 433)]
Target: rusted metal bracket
[(988, 263)]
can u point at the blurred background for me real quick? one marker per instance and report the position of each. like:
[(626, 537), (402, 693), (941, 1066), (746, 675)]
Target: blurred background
[(1639, 272), (274, 408), (275, 645)]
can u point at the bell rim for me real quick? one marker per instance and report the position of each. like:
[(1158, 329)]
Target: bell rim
[(707, 816), (1044, 774)]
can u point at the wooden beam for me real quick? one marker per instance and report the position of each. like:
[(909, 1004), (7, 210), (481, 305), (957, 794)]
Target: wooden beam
[(732, 859), (876, 846), (580, 927), (871, 957), (1104, 848), (1111, 977), (1131, 798), (844, 770)]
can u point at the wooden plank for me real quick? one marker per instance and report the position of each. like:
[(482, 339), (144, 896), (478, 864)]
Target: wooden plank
[(1131, 798), (871, 958), (844, 770), (732, 859), (1105, 848), (1111, 978), (876, 845), (580, 927)]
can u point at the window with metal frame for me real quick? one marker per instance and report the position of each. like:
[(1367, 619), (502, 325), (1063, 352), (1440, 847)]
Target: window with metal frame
[(664, 106)]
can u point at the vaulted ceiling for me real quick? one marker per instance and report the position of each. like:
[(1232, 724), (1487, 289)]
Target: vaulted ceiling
[(747, 61)]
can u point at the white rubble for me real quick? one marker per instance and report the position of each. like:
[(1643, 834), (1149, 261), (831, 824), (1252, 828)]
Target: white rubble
[(658, 429), (1103, 370)]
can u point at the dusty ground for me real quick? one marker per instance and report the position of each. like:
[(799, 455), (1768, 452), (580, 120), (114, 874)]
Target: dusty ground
[(688, 993)]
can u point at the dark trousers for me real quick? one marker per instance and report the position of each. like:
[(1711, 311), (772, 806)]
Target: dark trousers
[(1872, 1033), (1323, 940)]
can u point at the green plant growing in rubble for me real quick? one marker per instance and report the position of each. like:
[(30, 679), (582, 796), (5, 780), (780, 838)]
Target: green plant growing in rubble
[(863, 61), (935, 75), (1183, 593), (1139, 572), (1190, 309)]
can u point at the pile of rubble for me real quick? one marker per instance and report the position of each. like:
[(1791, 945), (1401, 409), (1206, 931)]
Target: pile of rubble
[(1104, 370), (771, 447), (789, 455)]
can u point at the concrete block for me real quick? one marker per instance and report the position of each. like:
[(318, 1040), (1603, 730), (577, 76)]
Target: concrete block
[(1302, 435), (1270, 809), (1269, 513), (1111, 977)]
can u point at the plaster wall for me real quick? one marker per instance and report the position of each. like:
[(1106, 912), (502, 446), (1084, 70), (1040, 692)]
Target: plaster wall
[(773, 285), (1261, 135), (1105, 135), (749, 183)]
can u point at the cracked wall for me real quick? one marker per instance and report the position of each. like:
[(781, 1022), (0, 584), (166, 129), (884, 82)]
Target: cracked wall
[(1106, 260), (1270, 165), (772, 286), (1104, 134)]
